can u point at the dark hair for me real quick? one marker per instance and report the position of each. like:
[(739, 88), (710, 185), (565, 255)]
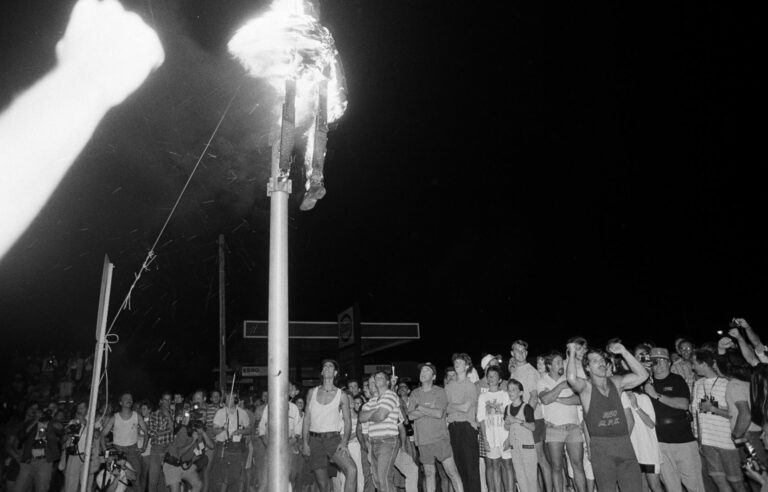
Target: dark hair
[(759, 394), (493, 369), (465, 357), (733, 365), (704, 356), (522, 343), (350, 381), (578, 340), (585, 360), (516, 383), (643, 346), (550, 357)]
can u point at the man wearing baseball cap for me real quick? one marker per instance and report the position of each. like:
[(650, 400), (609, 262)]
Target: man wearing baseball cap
[(669, 393), (426, 407)]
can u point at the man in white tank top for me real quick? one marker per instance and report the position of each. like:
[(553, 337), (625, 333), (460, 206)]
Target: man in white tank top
[(125, 426), (326, 415)]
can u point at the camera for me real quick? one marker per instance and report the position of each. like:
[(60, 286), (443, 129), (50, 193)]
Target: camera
[(644, 358), (711, 400), (74, 428), (752, 462)]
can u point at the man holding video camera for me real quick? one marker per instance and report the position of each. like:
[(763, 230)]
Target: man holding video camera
[(184, 458)]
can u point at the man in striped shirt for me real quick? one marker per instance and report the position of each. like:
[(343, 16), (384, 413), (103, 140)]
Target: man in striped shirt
[(382, 412), (161, 433), (713, 425)]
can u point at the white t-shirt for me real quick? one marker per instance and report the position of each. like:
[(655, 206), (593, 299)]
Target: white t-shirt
[(713, 430), (490, 409), (557, 413), (230, 421), (644, 440), (293, 421)]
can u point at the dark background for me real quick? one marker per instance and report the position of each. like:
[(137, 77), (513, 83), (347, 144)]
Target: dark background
[(501, 172)]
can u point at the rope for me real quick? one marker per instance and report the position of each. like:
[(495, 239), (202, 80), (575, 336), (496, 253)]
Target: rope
[(151, 255)]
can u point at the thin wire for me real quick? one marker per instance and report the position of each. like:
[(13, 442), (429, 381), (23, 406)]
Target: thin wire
[(151, 255)]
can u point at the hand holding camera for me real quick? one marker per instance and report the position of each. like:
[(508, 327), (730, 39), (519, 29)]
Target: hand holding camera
[(707, 404)]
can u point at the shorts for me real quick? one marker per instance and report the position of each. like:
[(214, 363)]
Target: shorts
[(722, 462), (322, 449), (495, 453), (650, 468), (564, 433), (440, 451), (540, 431), (175, 474)]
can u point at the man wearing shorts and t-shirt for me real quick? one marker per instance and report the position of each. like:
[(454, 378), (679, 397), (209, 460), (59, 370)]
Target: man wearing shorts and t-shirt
[(326, 415), (426, 407), (559, 406)]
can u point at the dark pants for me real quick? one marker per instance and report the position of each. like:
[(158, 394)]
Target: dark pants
[(466, 454), (614, 462)]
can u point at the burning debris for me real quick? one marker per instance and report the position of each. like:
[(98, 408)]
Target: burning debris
[(288, 44)]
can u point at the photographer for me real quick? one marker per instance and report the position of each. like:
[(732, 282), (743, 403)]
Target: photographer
[(184, 457), (117, 474), (230, 425), (714, 429), (74, 445), (39, 439)]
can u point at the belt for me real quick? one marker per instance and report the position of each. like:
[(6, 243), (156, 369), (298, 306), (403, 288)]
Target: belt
[(324, 434), (525, 446)]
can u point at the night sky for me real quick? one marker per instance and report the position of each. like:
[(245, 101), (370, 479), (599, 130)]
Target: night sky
[(501, 172)]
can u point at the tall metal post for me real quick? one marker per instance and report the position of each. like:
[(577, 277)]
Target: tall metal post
[(279, 188), (222, 319), (98, 358)]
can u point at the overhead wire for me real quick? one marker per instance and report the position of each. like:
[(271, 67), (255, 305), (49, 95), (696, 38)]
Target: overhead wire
[(111, 338)]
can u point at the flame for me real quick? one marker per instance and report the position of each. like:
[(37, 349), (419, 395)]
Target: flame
[(288, 41)]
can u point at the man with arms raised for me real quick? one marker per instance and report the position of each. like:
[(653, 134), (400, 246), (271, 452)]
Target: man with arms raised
[(426, 407), (321, 433), (613, 457)]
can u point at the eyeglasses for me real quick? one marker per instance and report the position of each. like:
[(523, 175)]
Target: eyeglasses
[(656, 362)]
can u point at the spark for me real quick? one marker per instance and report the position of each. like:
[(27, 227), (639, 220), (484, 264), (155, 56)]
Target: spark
[(117, 189)]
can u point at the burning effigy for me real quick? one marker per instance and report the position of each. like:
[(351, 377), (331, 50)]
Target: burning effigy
[(288, 44)]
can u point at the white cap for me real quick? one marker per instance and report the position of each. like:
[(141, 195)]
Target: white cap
[(486, 360)]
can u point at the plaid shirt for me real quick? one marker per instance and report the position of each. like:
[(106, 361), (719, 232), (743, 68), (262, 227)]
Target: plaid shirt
[(160, 428)]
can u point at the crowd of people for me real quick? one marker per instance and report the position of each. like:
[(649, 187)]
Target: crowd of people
[(581, 419)]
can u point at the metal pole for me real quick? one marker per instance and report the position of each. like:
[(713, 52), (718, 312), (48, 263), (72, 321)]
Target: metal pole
[(279, 188), (222, 319), (98, 357)]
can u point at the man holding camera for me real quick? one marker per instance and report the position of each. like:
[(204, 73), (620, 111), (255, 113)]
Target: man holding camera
[(713, 424), (185, 452), (669, 393), (39, 443)]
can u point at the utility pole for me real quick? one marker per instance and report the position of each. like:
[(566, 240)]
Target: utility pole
[(222, 319)]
